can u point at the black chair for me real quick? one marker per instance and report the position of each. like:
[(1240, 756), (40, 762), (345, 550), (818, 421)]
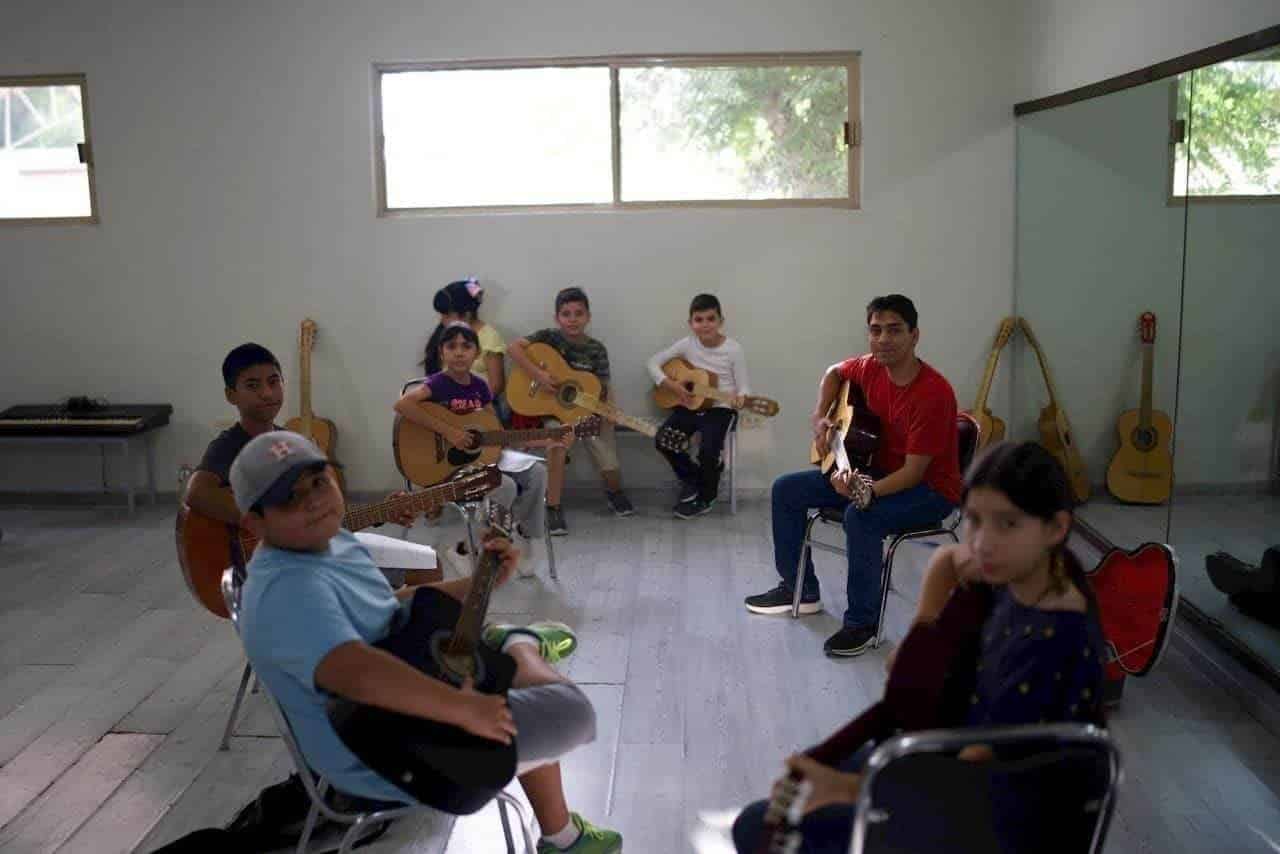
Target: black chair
[(1050, 789), (967, 434)]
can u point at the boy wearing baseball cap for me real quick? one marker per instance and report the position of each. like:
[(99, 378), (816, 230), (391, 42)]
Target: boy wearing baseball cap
[(314, 605)]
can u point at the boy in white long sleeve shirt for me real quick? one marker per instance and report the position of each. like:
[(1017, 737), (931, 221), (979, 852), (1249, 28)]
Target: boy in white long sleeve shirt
[(707, 348)]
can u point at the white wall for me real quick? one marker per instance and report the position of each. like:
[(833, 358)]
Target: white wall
[(233, 145), (1070, 43), (1098, 244)]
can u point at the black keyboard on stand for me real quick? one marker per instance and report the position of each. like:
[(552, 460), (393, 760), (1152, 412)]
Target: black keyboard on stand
[(109, 420)]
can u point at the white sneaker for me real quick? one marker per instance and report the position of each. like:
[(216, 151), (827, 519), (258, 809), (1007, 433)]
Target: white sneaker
[(455, 563), (530, 556)]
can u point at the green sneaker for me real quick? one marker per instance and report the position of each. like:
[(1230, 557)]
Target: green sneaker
[(591, 840), (556, 641)]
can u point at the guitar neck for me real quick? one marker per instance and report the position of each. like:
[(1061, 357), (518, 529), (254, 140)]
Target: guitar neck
[(617, 416), (1144, 412), (426, 501), (506, 438), (467, 632), (1044, 364), (304, 388), (984, 388)]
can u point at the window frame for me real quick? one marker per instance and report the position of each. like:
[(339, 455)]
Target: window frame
[(1176, 199), (850, 60), (81, 81)]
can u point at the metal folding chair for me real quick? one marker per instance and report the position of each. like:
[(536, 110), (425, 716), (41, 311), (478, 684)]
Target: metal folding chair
[(967, 436)]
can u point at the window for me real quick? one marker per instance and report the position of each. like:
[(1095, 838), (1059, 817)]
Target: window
[(1231, 134), (46, 170), (617, 133)]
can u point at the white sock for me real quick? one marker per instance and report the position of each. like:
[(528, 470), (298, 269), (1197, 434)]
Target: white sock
[(516, 637), (566, 837)]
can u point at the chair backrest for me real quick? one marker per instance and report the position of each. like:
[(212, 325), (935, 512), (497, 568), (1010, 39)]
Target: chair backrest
[(1050, 788), (967, 433)]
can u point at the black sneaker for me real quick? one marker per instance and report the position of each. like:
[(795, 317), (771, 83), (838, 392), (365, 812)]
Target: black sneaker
[(555, 521), (1232, 575), (849, 642), (693, 507), (688, 490), (619, 503), (778, 601)]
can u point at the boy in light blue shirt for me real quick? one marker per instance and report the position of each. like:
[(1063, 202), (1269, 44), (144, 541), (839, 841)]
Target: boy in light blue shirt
[(315, 603)]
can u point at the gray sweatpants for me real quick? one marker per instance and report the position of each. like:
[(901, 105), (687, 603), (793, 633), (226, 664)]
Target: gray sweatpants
[(551, 720), (525, 492)]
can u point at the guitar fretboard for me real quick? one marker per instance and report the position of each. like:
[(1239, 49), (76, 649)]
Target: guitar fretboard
[(616, 415)]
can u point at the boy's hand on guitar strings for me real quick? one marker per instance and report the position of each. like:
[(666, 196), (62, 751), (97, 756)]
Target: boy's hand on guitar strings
[(461, 439), (739, 401), (508, 555), (829, 786), (841, 483), (861, 485), (404, 517), (821, 426), (485, 715), (543, 378)]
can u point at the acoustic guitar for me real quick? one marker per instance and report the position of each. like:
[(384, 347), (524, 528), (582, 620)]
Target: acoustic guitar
[(991, 428), (854, 435), (702, 384), (321, 431), (576, 392), (206, 547), (1055, 429), (424, 457), (441, 765), (1141, 472)]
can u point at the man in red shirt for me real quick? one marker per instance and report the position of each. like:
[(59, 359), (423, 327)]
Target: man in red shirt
[(914, 481)]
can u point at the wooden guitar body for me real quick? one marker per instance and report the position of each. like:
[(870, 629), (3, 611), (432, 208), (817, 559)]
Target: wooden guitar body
[(1141, 472), (703, 385), (424, 457), (854, 436), (686, 374), (321, 431), (206, 547), (528, 398), (1055, 436)]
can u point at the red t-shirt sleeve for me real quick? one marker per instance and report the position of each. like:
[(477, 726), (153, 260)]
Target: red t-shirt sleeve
[(851, 369), (932, 424)]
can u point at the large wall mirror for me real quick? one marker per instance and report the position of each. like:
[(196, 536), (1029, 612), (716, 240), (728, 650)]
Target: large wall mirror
[(1148, 269)]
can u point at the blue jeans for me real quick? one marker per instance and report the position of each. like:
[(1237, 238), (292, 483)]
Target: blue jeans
[(864, 531)]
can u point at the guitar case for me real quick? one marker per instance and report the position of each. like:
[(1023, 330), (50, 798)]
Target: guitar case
[(1137, 593)]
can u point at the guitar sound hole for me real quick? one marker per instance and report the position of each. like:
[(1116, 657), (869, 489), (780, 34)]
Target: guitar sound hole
[(567, 394), (1144, 439), (455, 668), (460, 457)]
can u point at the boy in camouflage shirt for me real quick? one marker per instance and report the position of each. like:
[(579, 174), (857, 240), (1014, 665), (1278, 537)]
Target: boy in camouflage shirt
[(583, 353)]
